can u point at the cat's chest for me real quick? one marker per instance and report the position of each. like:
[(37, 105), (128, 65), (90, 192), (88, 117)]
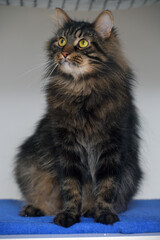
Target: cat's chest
[(90, 129), (88, 122), (89, 156)]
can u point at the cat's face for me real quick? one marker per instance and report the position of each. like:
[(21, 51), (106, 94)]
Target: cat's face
[(77, 48)]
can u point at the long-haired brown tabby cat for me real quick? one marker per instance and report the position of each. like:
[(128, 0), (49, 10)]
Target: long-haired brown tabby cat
[(83, 159)]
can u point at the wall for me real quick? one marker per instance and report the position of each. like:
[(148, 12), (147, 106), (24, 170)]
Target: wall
[(23, 32)]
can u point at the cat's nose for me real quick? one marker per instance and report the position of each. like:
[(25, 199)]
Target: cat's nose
[(65, 54)]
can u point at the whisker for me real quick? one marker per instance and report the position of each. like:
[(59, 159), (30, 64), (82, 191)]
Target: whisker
[(32, 69), (47, 75), (53, 70), (47, 68)]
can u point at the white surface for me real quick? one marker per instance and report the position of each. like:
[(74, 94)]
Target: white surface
[(149, 236), (23, 32)]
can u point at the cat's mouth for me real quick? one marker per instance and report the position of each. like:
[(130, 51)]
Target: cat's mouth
[(67, 62), (73, 66)]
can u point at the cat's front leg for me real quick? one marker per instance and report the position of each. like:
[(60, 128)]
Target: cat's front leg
[(107, 179), (71, 189)]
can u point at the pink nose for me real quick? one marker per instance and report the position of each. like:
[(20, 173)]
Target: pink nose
[(65, 54)]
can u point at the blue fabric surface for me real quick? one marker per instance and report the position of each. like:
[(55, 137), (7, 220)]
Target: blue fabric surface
[(142, 216)]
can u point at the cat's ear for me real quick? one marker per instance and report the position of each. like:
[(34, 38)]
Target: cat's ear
[(61, 17), (103, 24)]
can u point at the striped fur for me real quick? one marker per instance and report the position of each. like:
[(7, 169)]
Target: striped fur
[(83, 158)]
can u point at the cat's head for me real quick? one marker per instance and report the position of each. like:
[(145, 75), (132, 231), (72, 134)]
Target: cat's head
[(80, 48)]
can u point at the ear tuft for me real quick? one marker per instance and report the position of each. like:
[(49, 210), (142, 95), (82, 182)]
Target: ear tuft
[(61, 17), (103, 24)]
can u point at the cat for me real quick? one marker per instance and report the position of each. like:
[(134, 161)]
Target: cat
[(83, 158)]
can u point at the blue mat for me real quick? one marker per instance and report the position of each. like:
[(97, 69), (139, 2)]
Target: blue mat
[(142, 216)]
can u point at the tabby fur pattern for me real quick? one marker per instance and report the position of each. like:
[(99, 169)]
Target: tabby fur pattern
[(83, 158)]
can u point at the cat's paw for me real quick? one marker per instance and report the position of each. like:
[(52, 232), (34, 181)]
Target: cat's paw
[(107, 218), (30, 211), (66, 219)]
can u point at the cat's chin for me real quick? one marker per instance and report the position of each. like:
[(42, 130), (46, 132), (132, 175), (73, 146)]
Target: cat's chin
[(70, 68), (75, 70)]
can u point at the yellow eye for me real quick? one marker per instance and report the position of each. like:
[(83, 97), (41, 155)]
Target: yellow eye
[(62, 42), (83, 43)]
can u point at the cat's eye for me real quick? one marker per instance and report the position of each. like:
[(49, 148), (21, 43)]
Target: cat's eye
[(83, 43), (62, 42)]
